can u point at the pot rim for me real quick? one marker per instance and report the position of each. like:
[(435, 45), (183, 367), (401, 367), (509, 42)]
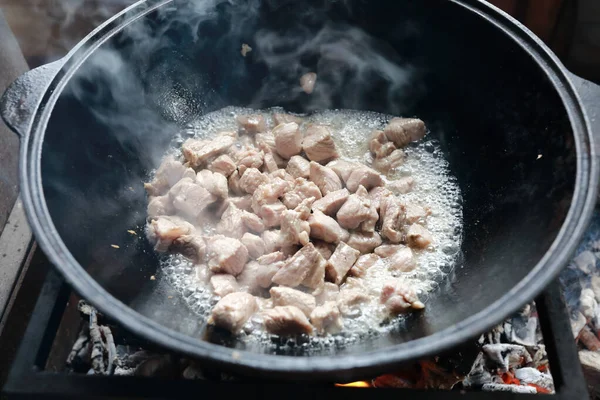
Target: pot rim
[(322, 367)]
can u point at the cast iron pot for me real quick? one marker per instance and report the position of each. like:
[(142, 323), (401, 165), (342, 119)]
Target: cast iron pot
[(515, 126)]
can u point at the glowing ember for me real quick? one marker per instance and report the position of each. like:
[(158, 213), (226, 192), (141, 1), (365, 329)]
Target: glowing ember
[(358, 384)]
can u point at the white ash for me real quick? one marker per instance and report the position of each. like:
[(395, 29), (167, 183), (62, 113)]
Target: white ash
[(501, 387)]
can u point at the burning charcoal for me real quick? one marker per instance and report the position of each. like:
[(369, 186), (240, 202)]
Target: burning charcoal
[(479, 374), (529, 375), (506, 356), (589, 339), (501, 387), (523, 328)]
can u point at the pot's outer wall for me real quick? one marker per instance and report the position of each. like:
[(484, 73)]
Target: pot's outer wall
[(501, 123)]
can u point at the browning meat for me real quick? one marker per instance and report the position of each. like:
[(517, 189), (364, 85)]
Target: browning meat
[(198, 152), (390, 162), (251, 124), (363, 263), (355, 210), (283, 296), (164, 230), (349, 299), (280, 118), (325, 178), (254, 244), (392, 214), (399, 298), (288, 139), (308, 81), (286, 320), (331, 203), (402, 260), (223, 284), (298, 267), (418, 237), (402, 185), (190, 246), (298, 167), (233, 311), (160, 205), (364, 176), (302, 190), (190, 199), (215, 183), (387, 250), (168, 174), (326, 228), (318, 144), (402, 131), (256, 276), (226, 255), (251, 180), (364, 242), (223, 165), (327, 318), (340, 262), (294, 229), (326, 292), (416, 213)]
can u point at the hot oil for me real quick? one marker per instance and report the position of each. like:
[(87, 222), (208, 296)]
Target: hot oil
[(435, 188)]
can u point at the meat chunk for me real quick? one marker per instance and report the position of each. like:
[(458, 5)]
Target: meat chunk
[(270, 163), (340, 262), (302, 190), (255, 277), (308, 81), (316, 274), (160, 205), (168, 174), (234, 183), (273, 240), (242, 202), (294, 229), (377, 194), (325, 178), (392, 215), (402, 185), (402, 131), (376, 143), (271, 258), (284, 118), (286, 320), (254, 244), (283, 296), (364, 242), (298, 167), (399, 298), (190, 199), (298, 267), (198, 152), (226, 255), (288, 139), (324, 248), (364, 176), (326, 228), (265, 141), (249, 157), (416, 213), (326, 292), (272, 213), (252, 222), (318, 144), (223, 165), (223, 284), (331, 203), (327, 318), (251, 180), (402, 260), (283, 175), (215, 183), (369, 224), (343, 168), (251, 124), (418, 237), (349, 299), (233, 311), (387, 250), (269, 194), (355, 210), (363, 263), (164, 230), (231, 223), (190, 246), (390, 162)]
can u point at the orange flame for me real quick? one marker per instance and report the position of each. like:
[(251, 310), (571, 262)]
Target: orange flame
[(358, 384)]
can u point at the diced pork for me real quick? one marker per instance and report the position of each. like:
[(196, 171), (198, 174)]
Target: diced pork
[(402, 131), (294, 229), (265, 141), (288, 139), (376, 142), (286, 320), (164, 230), (160, 205), (325, 178), (416, 213), (377, 194), (327, 318), (363, 263), (355, 210), (369, 224), (349, 299), (326, 228), (331, 203), (392, 215), (326, 292), (418, 237), (298, 267), (273, 240), (283, 296), (280, 118), (364, 176), (242, 202), (168, 174), (190, 199), (233, 311), (224, 284), (252, 222), (190, 246), (226, 255), (271, 258), (251, 124), (402, 185), (343, 168), (399, 298), (340, 262), (249, 157), (234, 183), (302, 190), (271, 214), (215, 183), (198, 152), (255, 277), (387, 250), (318, 144), (270, 163), (254, 244), (231, 223), (326, 249), (269, 194), (316, 274), (202, 273), (251, 180), (298, 167), (223, 165), (402, 260), (364, 242), (308, 81), (390, 162)]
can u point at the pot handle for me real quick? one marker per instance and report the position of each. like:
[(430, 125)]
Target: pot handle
[(22, 98), (589, 93)]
